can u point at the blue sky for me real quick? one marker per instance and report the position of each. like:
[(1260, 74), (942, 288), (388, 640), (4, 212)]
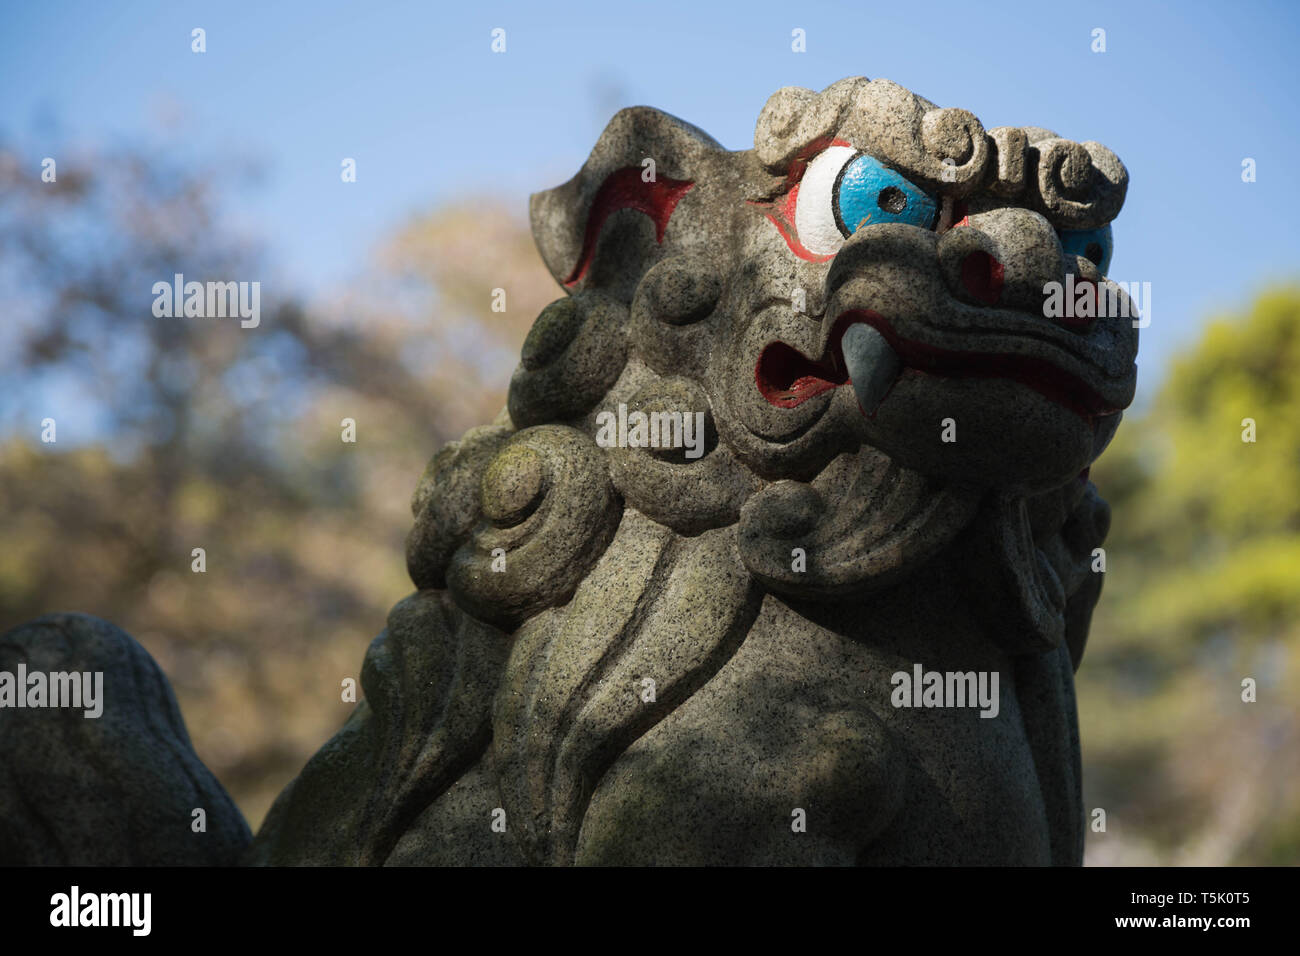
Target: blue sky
[(413, 92)]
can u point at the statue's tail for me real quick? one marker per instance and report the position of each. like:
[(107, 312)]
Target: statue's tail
[(96, 767)]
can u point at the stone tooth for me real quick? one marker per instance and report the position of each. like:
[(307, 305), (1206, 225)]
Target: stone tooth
[(871, 363)]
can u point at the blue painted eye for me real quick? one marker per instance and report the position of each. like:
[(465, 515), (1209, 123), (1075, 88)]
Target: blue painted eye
[(868, 193), (843, 190), (1094, 244)]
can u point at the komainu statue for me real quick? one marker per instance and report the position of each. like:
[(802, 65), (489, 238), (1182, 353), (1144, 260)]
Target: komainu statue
[(689, 599)]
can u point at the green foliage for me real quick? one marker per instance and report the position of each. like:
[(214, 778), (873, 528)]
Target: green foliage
[(1202, 592)]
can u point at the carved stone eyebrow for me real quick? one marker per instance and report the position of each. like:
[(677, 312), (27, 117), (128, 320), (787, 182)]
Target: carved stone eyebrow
[(947, 151)]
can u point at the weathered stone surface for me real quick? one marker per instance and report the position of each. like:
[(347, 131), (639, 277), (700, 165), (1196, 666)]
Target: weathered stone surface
[(118, 789), (429, 679), (636, 642)]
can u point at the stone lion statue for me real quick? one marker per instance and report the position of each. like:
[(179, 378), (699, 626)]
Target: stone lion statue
[(689, 599)]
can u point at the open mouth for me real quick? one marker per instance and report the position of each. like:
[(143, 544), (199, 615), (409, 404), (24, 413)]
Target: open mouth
[(787, 378)]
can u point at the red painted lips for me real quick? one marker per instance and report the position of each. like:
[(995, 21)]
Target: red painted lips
[(787, 378)]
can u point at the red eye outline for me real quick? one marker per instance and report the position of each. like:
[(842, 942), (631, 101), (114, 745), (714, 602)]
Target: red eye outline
[(780, 211)]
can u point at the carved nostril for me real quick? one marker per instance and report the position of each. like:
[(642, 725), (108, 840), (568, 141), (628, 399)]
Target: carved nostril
[(981, 276)]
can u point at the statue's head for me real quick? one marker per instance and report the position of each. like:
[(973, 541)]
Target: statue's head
[(882, 317), (871, 240)]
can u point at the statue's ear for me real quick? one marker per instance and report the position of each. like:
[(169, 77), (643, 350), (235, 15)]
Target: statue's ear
[(635, 200)]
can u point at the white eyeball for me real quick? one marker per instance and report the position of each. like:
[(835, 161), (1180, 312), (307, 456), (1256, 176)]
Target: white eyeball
[(814, 214)]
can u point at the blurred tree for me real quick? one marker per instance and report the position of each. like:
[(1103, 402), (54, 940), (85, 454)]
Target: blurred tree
[(1203, 591), (182, 433)]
